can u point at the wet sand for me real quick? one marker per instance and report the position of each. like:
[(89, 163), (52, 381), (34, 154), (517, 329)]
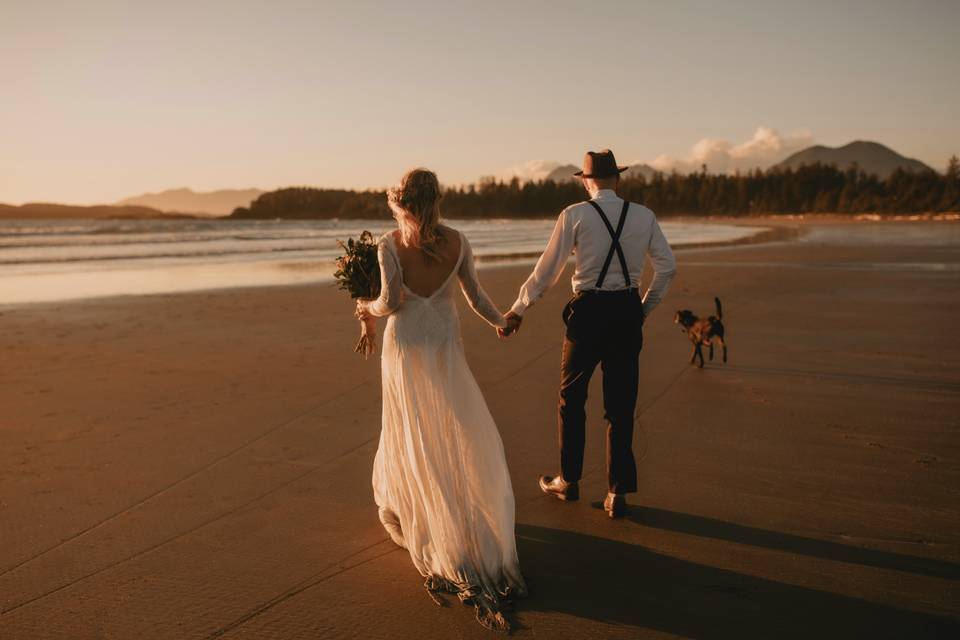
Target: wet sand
[(198, 465)]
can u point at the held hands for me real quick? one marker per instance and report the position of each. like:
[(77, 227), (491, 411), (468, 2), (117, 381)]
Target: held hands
[(513, 325)]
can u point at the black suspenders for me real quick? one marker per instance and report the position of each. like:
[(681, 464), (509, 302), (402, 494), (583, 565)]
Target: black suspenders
[(615, 246)]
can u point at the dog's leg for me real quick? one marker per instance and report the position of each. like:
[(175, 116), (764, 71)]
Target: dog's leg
[(723, 343), (699, 353), (711, 350), (693, 354)]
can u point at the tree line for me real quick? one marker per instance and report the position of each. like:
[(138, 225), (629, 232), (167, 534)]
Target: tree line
[(815, 188)]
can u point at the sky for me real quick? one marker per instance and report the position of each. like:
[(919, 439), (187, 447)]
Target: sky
[(101, 100)]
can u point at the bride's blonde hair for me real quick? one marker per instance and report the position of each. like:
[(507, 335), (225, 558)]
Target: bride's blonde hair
[(415, 203)]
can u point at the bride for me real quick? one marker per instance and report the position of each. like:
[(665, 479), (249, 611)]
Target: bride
[(440, 478)]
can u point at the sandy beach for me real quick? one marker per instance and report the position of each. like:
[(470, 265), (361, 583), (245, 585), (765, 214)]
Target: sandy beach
[(198, 465)]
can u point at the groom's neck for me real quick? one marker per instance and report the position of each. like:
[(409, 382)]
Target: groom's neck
[(595, 185)]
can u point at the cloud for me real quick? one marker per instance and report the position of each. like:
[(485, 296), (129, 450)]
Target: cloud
[(765, 148), (531, 171)]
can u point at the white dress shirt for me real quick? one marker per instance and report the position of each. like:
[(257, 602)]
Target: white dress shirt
[(580, 230)]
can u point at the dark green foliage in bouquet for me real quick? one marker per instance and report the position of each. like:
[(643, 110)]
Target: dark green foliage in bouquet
[(358, 271)]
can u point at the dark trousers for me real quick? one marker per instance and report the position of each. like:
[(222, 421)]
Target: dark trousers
[(604, 328)]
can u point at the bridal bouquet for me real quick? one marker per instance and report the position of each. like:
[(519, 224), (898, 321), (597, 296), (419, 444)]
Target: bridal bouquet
[(358, 273)]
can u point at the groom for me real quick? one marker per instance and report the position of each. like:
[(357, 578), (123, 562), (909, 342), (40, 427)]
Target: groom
[(610, 238)]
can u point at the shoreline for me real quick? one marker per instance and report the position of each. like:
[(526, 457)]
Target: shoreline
[(947, 216), (779, 230), (325, 275)]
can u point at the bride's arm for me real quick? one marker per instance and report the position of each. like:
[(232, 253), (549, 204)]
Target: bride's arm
[(391, 285), (479, 301)]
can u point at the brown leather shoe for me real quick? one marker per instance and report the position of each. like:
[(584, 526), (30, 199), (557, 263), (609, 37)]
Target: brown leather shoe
[(560, 488), (615, 506)]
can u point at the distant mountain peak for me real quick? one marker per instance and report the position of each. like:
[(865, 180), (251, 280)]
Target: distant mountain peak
[(184, 200), (565, 172), (870, 156)]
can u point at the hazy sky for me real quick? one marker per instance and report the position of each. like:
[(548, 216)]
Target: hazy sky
[(103, 99)]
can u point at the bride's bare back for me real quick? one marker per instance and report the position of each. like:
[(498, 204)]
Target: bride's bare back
[(422, 274)]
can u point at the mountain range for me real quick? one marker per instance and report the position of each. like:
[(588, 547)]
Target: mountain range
[(45, 210), (565, 172), (871, 157), (210, 203)]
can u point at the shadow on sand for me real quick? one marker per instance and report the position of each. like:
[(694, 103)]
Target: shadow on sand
[(901, 382), (740, 534), (626, 584)]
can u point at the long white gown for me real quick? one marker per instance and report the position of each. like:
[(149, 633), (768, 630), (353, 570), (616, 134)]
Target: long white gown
[(440, 476)]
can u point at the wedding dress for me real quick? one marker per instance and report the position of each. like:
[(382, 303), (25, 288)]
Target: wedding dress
[(440, 477)]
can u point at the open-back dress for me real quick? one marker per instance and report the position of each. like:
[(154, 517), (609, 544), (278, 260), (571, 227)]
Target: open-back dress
[(440, 477)]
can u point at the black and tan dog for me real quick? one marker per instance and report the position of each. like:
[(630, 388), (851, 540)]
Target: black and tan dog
[(702, 331)]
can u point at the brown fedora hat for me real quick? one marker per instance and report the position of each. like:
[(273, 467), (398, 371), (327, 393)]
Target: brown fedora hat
[(600, 164)]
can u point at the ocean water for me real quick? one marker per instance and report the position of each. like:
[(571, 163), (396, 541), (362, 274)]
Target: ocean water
[(49, 260)]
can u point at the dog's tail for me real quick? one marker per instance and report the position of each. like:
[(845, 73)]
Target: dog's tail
[(719, 309)]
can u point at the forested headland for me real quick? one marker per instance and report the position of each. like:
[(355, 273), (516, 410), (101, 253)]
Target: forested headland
[(813, 188)]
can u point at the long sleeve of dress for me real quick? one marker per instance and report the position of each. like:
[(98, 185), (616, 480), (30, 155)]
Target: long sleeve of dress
[(479, 301), (391, 282)]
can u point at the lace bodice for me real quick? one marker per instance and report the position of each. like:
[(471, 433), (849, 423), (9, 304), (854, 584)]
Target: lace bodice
[(395, 296)]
